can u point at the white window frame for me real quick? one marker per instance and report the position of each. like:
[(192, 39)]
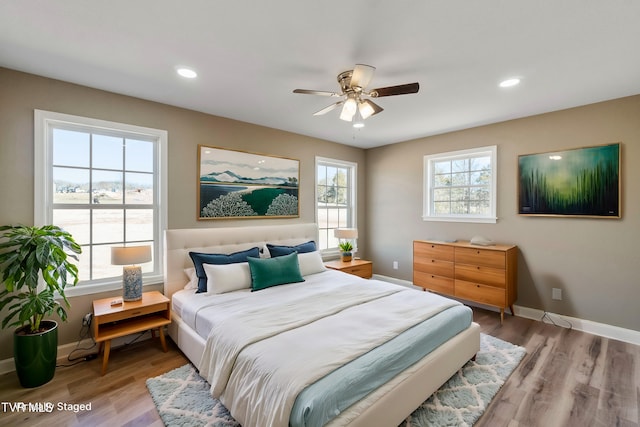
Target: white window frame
[(44, 123), (430, 160), (353, 189)]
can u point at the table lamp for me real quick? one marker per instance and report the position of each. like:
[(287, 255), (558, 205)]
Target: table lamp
[(131, 273)]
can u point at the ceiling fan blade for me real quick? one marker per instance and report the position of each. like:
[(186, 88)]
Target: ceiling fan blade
[(395, 90), (368, 108), (325, 110), (315, 92), (362, 75)]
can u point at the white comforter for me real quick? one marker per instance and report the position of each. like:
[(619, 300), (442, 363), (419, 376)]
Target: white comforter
[(267, 346)]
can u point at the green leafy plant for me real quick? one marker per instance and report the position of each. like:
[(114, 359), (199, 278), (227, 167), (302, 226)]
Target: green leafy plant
[(26, 254), (346, 246)]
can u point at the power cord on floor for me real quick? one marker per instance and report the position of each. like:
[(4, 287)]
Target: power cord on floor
[(85, 332), (140, 335), (549, 320)]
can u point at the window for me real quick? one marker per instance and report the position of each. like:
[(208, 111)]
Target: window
[(336, 200), (105, 184), (461, 186)]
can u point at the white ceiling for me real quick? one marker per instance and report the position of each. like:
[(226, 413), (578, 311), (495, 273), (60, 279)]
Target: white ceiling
[(250, 55)]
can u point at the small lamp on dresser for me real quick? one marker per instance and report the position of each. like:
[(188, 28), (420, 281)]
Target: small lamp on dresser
[(131, 273)]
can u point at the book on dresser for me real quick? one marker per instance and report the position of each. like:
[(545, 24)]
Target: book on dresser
[(483, 274)]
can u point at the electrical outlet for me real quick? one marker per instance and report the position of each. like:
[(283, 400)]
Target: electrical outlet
[(556, 294), (395, 265), (86, 320)]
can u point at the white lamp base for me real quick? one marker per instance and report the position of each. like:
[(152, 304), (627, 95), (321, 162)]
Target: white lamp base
[(131, 283)]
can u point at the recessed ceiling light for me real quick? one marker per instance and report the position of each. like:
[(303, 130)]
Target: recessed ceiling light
[(510, 82), (187, 73)]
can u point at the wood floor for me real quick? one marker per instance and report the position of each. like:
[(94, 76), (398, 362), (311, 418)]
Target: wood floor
[(567, 378)]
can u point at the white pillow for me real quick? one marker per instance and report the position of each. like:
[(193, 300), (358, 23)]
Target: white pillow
[(223, 278), (193, 278), (310, 263)]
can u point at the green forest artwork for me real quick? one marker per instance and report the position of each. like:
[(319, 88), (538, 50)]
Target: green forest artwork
[(577, 182)]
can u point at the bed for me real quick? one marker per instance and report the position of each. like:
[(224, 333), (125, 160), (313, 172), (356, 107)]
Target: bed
[(394, 391)]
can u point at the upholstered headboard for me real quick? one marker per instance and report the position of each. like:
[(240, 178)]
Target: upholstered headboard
[(179, 242)]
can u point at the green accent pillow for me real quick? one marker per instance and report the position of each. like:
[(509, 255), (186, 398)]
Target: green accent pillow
[(269, 272)]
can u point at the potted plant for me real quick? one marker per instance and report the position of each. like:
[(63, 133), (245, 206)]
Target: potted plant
[(346, 248), (28, 254)]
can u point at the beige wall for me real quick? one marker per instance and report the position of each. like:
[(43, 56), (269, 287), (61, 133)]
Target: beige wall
[(591, 260), (21, 93), (594, 261)]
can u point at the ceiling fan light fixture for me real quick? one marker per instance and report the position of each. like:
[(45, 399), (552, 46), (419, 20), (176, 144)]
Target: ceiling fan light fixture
[(349, 109), (366, 109), (358, 120)]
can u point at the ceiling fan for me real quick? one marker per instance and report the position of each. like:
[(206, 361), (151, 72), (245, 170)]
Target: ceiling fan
[(353, 85)]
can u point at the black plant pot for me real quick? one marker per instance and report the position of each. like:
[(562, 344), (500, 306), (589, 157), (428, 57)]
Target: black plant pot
[(35, 354)]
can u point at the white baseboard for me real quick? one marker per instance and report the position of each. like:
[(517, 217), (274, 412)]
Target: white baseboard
[(65, 350), (595, 328)]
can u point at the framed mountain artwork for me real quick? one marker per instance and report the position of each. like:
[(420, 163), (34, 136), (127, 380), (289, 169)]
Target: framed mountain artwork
[(237, 184), (581, 182)]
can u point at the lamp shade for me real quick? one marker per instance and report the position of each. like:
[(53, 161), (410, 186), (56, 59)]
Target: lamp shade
[(130, 255), (346, 233)]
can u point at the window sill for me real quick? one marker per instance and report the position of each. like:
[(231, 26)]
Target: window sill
[(484, 220), (96, 288)]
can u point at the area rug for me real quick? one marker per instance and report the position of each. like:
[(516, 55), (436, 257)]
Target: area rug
[(182, 396)]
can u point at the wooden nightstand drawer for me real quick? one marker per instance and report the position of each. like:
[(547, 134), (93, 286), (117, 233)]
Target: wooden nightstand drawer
[(131, 312), (365, 270), (357, 267)]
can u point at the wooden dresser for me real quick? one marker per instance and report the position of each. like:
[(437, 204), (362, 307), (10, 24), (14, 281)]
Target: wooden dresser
[(483, 274)]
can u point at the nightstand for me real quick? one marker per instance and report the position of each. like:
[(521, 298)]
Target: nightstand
[(153, 311), (357, 267)]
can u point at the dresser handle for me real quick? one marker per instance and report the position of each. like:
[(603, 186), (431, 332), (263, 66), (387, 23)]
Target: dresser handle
[(478, 268), (478, 252), (477, 286), (433, 260)]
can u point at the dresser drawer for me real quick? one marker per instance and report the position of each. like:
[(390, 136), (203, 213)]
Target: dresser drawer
[(433, 251), (480, 293), (433, 266), (443, 285), (484, 257), (479, 274)]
